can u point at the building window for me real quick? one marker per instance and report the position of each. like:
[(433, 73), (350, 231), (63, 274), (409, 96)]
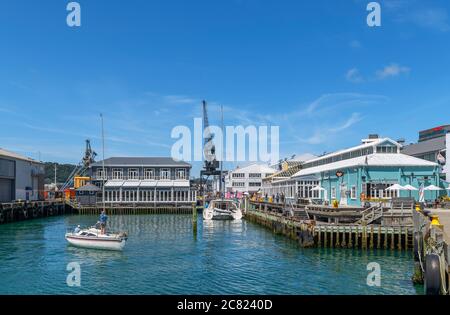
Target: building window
[(254, 175), (117, 173), (353, 192), (180, 173), (165, 173), (386, 149), (149, 173), (333, 192), (238, 184), (238, 175), (100, 174), (133, 173), (254, 184)]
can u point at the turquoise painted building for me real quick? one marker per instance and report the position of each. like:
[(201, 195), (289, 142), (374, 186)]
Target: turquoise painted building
[(364, 173)]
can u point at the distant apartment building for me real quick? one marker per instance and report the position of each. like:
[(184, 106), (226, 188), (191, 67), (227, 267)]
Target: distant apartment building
[(21, 178), (134, 180), (247, 179), (433, 146)]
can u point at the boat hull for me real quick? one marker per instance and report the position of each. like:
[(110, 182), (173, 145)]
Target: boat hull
[(96, 243), (209, 214)]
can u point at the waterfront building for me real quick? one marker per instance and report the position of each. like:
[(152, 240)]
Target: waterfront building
[(433, 146), (138, 180), (364, 172), (281, 182), (21, 178), (247, 179), (87, 194)]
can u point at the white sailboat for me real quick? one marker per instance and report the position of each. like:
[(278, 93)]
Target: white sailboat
[(222, 209), (93, 239)]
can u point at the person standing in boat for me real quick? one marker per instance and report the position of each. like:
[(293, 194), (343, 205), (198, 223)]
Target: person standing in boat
[(103, 220)]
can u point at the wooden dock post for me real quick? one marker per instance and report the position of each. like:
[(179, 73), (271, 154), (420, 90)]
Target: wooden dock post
[(356, 237), (379, 237), (406, 239), (325, 237), (337, 237), (400, 239), (343, 244), (385, 238), (349, 245), (364, 237), (332, 237), (319, 239), (392, 239), (371, 237)]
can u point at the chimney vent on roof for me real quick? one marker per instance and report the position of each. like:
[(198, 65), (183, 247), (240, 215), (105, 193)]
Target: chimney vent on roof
[(373, 136), (401, 141)]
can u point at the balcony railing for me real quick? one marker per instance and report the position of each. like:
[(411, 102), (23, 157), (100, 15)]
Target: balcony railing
[(95, 177)]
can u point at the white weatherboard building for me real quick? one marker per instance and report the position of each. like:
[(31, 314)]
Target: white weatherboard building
[(247, 179)]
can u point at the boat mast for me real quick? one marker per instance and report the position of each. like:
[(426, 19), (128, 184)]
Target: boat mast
[(103, 163), (222, 195)]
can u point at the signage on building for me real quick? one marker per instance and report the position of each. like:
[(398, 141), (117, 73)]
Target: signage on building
[(339, 173)]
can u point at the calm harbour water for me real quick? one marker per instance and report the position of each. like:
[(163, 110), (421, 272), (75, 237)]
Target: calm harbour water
[(162, 256)]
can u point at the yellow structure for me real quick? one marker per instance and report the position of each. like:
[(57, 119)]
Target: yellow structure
[(435, 221), (80, 181)]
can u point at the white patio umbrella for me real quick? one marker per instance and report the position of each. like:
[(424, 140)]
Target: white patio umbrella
[(396, 187), (319, 189), (411, 188), (433, 188)]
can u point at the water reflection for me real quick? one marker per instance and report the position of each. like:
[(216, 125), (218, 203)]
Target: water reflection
[(163, 257)]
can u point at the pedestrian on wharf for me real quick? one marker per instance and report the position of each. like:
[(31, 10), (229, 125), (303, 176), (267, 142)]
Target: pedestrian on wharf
[(277, 198)]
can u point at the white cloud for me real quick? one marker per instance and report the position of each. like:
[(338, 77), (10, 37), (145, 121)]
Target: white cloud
[(392, 70), (432, 18), (179, 99), (322, 135), (353, 75), (353, 119)]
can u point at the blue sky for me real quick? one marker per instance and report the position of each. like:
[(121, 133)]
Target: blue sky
[(314, 68)]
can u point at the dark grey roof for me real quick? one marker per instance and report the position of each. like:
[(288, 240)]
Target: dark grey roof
[(88, 187), (433, 145), (142, 161)]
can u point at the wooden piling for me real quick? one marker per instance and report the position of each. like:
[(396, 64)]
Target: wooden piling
[(350, 238), (337, 237), (371, 237), (379, 238), (343, 244), (392, 239), (332, 237)]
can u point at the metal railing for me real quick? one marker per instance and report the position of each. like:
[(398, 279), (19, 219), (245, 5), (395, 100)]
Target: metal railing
[(155, 178)]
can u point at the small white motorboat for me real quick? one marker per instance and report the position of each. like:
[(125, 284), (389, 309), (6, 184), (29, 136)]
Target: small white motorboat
[(222, 209), (92, 238)]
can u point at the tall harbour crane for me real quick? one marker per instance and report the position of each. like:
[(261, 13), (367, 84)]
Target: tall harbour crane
[(80, 169), (210, 163)]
